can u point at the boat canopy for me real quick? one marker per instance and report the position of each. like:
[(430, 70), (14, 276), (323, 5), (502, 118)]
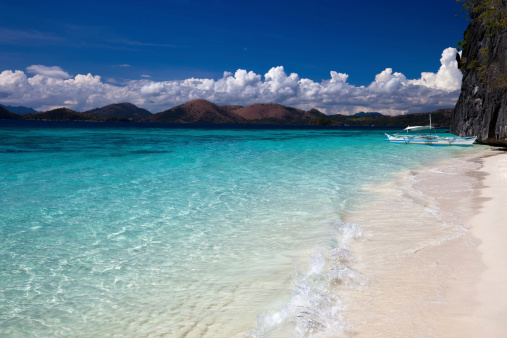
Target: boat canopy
[(418, 128)]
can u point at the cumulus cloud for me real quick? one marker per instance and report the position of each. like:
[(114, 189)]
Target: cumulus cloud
[(448, 76), (54, 72), (390, 92)]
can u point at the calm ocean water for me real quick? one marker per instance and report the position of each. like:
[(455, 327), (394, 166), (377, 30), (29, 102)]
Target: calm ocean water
[(132, 230)]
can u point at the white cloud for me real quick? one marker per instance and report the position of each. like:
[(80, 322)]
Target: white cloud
[(280, 86), (141, 43), (27, 37), (144, 75), (390, 93), (448, 76), (53, 72), (152, 88), (387, 82)]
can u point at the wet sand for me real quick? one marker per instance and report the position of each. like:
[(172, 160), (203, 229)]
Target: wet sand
[(434, 253)]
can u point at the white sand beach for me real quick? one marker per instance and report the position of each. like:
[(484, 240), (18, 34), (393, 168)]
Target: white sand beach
[(489, 225), (436, 264)]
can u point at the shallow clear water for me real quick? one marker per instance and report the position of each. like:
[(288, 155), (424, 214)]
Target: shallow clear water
[(181, 231)]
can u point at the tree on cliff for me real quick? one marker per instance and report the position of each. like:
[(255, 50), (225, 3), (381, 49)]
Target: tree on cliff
[(493, 16)]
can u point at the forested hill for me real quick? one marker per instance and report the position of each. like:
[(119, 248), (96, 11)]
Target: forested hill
[(439, 118)]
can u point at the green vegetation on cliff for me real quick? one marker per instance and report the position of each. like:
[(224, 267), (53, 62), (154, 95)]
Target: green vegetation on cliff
[(492, 12), (492, 15)]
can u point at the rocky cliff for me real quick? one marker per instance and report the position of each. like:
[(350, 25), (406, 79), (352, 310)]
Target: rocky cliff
[(482, 106)]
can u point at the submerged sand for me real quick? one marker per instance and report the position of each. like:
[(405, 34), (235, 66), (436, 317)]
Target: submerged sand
[(434, 253)]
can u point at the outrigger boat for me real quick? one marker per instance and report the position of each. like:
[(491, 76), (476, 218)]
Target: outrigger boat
[(432, 140)]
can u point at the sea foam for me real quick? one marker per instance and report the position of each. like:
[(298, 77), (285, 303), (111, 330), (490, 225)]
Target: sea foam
[(314, 308)]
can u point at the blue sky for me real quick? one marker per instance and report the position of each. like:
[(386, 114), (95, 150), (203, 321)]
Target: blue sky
[(122, 41)]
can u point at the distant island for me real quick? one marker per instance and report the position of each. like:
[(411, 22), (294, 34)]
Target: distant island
[(19, 110), (202, 111), (367, 114)]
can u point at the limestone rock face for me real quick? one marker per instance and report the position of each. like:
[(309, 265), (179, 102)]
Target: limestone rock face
[(482, 106)]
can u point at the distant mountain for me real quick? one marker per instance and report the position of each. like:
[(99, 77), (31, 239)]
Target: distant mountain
[(7, 115), (202, 111), (63, 114), (367, 114), (274, 113), (230, 108), (117, 119), (196, 111), (125, 109), (20, 110)]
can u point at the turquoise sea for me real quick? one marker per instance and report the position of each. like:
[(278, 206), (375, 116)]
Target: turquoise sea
[(111, 229)]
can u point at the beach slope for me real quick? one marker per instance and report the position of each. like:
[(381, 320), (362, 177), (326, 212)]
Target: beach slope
[(490, 227), (434, 253)]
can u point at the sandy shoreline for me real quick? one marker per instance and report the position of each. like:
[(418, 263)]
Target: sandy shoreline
[(490, 227), (440, 268)]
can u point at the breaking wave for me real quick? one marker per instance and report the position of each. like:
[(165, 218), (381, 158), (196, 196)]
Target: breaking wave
[(314, 307)]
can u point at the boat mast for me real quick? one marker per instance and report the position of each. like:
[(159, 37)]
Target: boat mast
[(432, 127)]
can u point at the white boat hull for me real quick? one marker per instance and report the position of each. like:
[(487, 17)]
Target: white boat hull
[(432, 140)]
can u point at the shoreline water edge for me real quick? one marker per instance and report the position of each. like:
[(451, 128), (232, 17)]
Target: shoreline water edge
[(440, 268), (434, 266)]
